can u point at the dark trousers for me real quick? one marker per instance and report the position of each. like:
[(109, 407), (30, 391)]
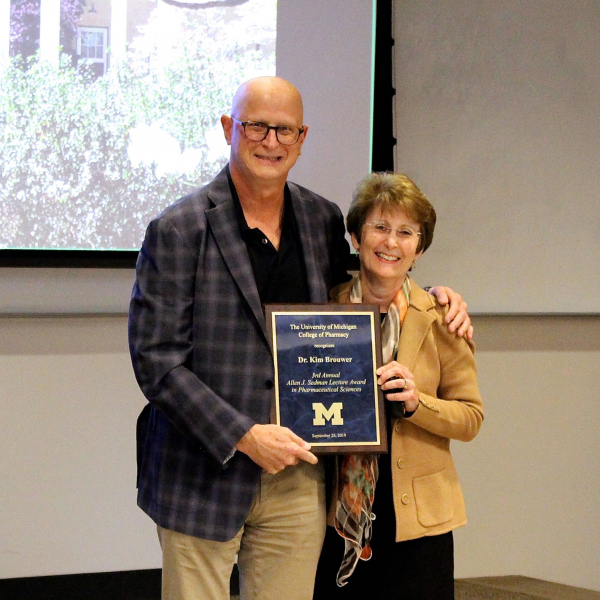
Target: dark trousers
[(421, 569)]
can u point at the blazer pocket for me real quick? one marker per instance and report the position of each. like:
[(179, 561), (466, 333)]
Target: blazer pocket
[(433, 499)]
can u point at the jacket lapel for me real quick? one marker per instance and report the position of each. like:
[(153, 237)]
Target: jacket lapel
[(316, 282), (418, 321), (416, 326), (224, 226)]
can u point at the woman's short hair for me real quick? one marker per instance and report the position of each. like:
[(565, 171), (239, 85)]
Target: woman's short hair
[(391, 191)]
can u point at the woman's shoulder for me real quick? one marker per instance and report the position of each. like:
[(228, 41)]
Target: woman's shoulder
[(426, 302)]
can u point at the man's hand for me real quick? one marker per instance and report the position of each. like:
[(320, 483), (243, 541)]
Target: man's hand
[(274, 448), (457, 316)]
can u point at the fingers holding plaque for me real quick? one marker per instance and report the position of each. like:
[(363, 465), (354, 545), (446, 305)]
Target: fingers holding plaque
[(326, 391)]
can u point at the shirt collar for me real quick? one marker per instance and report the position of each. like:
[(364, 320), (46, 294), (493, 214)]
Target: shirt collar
[(288, 224)]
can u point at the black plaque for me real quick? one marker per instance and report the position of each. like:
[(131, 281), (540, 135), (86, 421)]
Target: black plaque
[(326, 388)]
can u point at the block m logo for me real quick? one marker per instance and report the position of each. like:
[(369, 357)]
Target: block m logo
[(334, 414)]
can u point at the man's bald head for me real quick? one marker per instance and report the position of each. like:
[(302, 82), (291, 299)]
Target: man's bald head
[(272, 92), (270, 101)]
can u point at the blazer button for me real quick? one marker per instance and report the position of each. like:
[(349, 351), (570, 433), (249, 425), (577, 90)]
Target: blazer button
[(400, 463), (405, 499), (268, 384)]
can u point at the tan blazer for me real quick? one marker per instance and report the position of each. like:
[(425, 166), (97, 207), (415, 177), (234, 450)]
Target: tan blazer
[(427, 496)]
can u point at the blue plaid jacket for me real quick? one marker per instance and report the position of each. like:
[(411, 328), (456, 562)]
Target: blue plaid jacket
[(200, 353)]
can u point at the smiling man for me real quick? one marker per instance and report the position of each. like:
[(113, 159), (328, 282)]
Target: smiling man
[(214, 475), (213, 470)]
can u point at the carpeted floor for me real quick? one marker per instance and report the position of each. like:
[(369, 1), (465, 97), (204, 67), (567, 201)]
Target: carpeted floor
[(518, 588), (514, 588)]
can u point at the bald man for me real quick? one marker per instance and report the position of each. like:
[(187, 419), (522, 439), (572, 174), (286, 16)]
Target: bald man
[(214, 475)]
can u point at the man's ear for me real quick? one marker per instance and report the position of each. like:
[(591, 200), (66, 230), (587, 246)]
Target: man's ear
[(303, 136), (227, 125)]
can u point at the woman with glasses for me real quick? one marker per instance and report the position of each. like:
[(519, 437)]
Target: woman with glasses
[(430, 384)]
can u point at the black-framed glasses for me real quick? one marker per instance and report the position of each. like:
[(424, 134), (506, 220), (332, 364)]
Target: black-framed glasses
[(257, 131)]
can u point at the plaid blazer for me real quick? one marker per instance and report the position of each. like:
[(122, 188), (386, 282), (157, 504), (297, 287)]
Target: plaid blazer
[(199, 348)]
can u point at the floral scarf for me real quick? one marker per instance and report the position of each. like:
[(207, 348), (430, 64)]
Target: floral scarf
[(358, 472)]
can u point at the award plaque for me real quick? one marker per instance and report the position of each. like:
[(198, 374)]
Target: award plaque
[(326, 387)]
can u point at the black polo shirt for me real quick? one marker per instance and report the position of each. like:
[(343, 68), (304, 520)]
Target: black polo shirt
[(280, 275)]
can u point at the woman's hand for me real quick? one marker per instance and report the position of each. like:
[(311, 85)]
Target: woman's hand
[(406, 389)]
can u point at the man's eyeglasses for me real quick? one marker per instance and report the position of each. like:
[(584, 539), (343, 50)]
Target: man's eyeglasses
[(257, 132), (403, 234)]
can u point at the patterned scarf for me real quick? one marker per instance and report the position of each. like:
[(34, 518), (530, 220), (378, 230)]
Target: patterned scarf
[(358, 472)]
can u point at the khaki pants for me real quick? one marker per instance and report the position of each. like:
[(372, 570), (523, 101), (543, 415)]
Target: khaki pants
[(278, 547)]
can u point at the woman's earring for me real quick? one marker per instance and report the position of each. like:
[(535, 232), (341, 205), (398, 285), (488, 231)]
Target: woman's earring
[(413, 266)]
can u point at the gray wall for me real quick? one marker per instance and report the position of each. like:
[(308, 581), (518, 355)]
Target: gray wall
[(530, 478), (67, 453)]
